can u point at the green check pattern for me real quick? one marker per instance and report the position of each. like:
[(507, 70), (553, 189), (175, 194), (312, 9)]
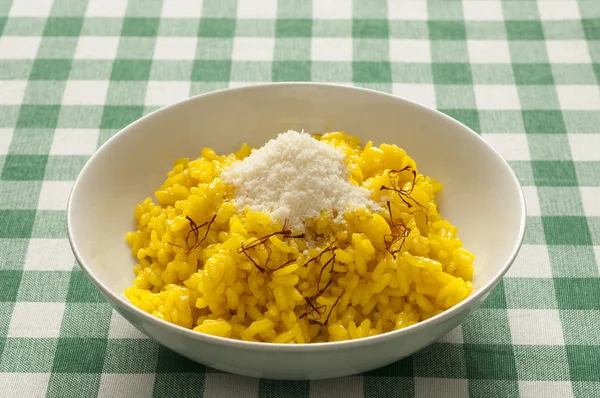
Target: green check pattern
[(522, 73)]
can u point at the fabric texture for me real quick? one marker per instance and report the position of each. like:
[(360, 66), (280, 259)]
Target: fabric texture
[(524, 74)]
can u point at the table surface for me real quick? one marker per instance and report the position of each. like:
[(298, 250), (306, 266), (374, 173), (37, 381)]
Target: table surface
[(524, 74)]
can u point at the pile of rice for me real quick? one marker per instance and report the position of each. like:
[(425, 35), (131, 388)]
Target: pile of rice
[(256, 246)]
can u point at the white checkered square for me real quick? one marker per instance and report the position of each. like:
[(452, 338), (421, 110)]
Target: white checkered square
[(23, 385), (85, 92), (6, 136), (533, 261), (54, 195), (411, 10), (590, 198), (165, 93), (96, 47), (332, 9), (536, 389), (181, 9), (175, 48), (36, 320), (423, 94), (489, 51), (49, 255), (568, 52), (106, 8), (120, 328), (253, 49), (217, 385), (578, 97), (558, 10), (30, 8), (597, 255), (257, 9), (74, 142), (497, 97), (454, 336), (585, 147), (18, 47), (477, 10), (349, 84), (510, 146), (234, 84), (126, 385), (532, 201), (350, 386), (12, 92), (331, 49), (535, 327), (433, 387), (409, 50)]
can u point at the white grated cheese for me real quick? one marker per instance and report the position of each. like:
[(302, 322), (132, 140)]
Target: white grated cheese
[(295, 177)]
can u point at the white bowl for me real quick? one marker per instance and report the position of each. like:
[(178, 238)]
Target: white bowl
[(481, 196)]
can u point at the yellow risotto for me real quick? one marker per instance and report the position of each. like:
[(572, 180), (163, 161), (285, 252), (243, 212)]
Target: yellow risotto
[(207, 264)]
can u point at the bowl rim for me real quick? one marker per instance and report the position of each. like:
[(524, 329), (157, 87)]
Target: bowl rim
[(306, 347)]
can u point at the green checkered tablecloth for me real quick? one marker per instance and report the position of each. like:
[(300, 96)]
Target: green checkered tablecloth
[(524, 74)]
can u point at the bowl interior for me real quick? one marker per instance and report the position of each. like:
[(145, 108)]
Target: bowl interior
[(481, 194)]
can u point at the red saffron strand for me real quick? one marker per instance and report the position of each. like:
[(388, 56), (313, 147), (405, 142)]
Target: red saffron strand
[(312, 299), (404, 194), (262, 241), (399, 233), (195, 235)]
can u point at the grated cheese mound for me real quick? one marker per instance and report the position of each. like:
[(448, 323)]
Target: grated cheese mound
[(294, 177)]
